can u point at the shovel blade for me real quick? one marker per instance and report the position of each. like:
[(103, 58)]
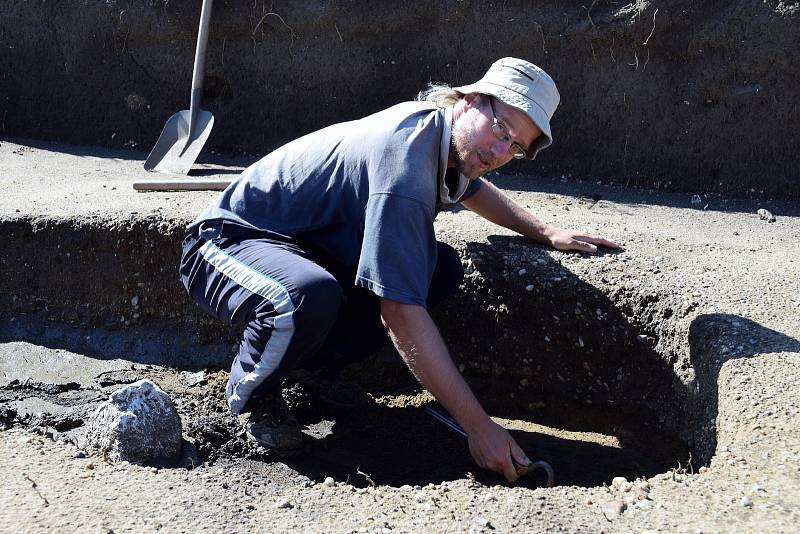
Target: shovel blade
[(169, 155)]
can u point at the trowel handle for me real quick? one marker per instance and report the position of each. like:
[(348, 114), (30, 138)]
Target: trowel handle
[(446, 420), (200, 58)]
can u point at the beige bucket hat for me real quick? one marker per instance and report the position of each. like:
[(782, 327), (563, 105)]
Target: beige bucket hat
[(525, 86)]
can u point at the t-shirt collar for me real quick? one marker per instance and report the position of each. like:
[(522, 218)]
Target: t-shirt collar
[(445, 195)]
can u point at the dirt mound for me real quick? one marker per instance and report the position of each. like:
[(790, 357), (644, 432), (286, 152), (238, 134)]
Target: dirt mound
[(695, 96)]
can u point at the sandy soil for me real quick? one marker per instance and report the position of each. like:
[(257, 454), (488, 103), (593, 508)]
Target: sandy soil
[(730, 278)]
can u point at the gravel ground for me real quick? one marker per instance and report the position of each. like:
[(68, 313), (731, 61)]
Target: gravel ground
[(730, 278)]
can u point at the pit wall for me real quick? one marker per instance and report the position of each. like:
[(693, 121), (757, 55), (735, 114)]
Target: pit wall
[(692, 96), (594, 346)]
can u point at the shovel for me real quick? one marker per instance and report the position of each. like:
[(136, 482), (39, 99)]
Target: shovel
[(522, 470), (186, 132)]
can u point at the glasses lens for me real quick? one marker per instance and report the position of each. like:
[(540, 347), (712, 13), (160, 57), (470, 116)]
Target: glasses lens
[(498, 130)]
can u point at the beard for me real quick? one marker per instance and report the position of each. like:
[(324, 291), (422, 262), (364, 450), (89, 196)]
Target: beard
[(462, 147)]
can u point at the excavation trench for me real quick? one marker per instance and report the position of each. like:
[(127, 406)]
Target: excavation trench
[(561, 365), (592, 372)]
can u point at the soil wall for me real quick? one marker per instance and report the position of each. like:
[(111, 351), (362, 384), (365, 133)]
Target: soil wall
[(694, 96)]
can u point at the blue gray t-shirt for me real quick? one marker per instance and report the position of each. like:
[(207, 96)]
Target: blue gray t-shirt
[(364, 192)]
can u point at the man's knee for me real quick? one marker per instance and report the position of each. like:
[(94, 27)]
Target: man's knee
[(317, 306)]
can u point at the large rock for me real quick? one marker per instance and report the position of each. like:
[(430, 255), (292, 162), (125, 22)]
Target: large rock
[(138, 423)]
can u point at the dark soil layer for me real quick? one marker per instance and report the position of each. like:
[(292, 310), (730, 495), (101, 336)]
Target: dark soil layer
[(695, 96)]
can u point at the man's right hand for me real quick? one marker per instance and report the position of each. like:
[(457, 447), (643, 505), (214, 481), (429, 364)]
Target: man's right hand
[(419, 343), (492, 447)]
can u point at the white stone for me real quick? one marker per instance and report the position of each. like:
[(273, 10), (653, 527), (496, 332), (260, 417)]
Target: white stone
[(747, 502), (137, 424), (482, 522), (329, 482), (613, 508), (616, 482)]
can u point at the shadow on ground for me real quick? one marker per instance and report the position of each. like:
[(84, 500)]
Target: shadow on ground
[(397, 446)]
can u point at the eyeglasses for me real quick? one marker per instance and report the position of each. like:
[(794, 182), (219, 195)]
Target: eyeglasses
[(500, 130)]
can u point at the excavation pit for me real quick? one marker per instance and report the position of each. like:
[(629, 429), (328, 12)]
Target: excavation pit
[(387, 438), (587, 392), (586, 377)]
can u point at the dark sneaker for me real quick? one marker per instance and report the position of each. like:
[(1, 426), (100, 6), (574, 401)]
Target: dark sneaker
[(270, 424)]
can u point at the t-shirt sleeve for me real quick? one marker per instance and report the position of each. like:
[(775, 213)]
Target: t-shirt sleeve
[(398, 254)]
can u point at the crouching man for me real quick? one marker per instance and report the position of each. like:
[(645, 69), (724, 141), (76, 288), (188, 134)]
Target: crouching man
[(327, 244)]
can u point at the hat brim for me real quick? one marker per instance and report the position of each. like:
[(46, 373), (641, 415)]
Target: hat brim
[(526, 105)]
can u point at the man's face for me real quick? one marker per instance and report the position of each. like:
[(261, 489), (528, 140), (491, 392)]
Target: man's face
[(474, 146)]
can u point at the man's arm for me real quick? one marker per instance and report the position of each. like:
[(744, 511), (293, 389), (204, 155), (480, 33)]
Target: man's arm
[(495, 206), (416, 337)]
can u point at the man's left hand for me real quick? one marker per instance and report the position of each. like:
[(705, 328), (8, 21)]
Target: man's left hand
[(561, 239)]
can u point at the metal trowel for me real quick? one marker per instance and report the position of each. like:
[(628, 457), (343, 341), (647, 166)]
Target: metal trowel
[(522, 470)]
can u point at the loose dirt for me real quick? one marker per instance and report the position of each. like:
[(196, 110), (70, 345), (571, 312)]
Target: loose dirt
[(685, 343)]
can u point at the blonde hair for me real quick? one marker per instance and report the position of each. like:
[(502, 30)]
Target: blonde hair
[(441, 94)]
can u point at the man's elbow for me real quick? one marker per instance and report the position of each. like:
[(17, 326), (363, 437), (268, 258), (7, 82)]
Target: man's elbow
[(395, 314)]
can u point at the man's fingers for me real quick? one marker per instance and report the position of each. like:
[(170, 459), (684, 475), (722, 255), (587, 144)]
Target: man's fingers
[(521, 460), (597, 240), (509, 470), (581, 243)]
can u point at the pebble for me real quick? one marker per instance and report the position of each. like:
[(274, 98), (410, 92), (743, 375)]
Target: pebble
[(766, 215), (283, 504), (529, 287), (79, 454), (482, 522), (625, 487), (329, 482), (616, 482), (612, 508), (522, 272), (747, 502)]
